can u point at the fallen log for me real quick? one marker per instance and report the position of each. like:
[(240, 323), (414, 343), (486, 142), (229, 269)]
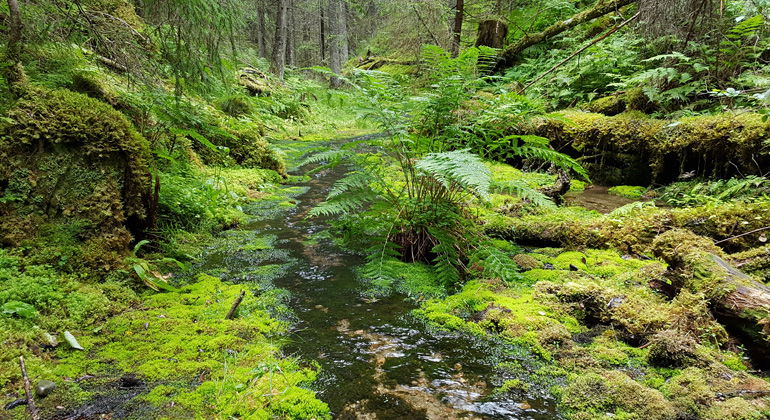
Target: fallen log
[(696, 264), (602, 7)]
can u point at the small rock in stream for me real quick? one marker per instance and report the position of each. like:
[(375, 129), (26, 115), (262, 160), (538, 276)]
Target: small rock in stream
[(44, 388)]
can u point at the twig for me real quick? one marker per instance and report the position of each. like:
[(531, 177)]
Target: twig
[(28, 390), (238, 300), (743, 234), (594, 42)]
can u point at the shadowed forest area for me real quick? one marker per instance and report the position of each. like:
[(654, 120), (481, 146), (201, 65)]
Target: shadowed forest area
[(370, 209)]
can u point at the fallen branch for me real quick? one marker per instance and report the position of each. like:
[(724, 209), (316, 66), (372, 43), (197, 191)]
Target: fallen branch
[(742, 235), (573, 55), (602, 8), (238, 300), (28, 391)]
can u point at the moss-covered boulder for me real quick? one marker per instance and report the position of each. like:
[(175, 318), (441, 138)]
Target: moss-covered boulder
[(74, 162)]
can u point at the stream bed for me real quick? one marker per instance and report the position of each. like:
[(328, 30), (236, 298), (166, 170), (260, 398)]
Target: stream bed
[(376, 359)]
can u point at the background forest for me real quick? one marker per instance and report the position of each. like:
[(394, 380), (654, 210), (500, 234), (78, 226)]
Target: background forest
[(247, 209)]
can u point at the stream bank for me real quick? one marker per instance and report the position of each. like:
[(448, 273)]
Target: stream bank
[(376, 359)]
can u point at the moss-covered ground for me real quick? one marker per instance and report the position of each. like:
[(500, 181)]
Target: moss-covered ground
[(597, 316), (175, 348)]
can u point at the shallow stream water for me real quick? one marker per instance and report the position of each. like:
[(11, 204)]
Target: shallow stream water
[(377, 361)]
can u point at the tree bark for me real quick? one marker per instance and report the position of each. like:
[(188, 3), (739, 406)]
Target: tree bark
[(344, 37), (291, 34), (457, 27), (279, 46), (336, 42), (15, 73), (322, 40), (602, 7), (261, 29), (492, 33)]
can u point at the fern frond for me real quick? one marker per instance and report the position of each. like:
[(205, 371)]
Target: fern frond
[(520, 188), (497, 263), (536, 147), (631, 208), (460, 168), (325, 157), (344, 204), (356, 180), (447, 259)]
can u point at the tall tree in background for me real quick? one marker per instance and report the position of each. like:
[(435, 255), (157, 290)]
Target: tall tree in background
[(291, 36), (261, 29), (15, 72), (457, 27), (279, 45), (338, 40)]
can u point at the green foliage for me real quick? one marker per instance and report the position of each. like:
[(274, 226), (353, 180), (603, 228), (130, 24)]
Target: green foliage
[(628, 191), (20, 309), (698, 193)]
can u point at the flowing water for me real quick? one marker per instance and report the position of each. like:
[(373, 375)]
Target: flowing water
[(377, 361)]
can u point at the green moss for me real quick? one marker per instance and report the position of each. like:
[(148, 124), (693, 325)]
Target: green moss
[(633, 148), (734, 409), (628, 191), (594, 395), (72, 161), (609, 105)]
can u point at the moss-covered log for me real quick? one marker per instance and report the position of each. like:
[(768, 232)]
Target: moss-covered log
[(578, 229), (602, 7), (634, 149), (696, 264)]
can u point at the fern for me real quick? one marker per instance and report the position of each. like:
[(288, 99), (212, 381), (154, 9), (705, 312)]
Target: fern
[(522, 189), (457, 168), (496, 263), (329, 156), (630, 209), (447, 259)]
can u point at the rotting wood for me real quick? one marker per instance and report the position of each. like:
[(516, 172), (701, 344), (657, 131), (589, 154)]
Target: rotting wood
[(509, 55), (28, 391), (236, 304)]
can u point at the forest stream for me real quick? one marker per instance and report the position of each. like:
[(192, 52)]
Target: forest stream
[(376, 360)]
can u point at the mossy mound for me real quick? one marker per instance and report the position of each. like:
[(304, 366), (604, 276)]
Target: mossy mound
[(71, 160), (632, 148), (628, 191)]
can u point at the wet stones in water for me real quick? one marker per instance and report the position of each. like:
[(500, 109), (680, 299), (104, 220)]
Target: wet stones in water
[(44, 388)]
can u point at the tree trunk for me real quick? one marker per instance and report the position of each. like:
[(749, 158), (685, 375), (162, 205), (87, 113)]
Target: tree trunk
[(492, 33), (457, 27), (15, 74), (261, 29), (291, 33), (601, 8), (322, 19), (336, 42), (344, 38), (279, 45)]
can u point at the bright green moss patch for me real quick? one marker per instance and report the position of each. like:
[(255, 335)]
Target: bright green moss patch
[(208, 366), (480, 309), (628, 191)]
